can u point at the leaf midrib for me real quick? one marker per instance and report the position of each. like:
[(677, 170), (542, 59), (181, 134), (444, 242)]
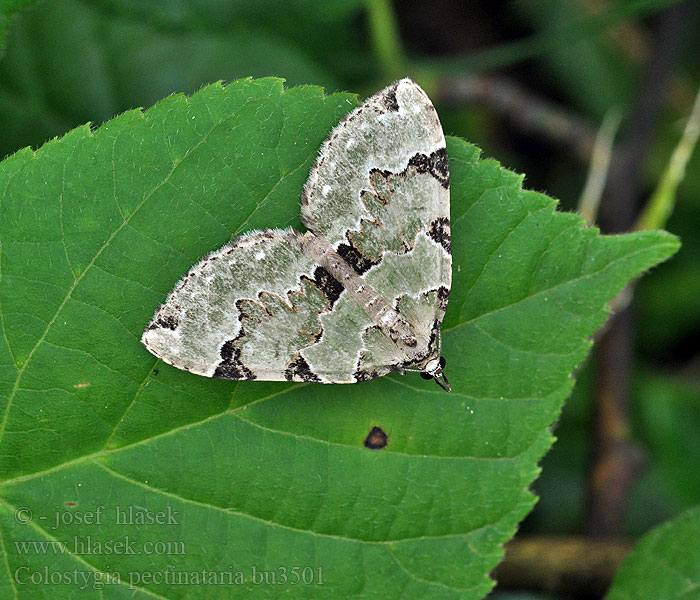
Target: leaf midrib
[(88, 267), (669, 244), (94, 456), (104, 452)]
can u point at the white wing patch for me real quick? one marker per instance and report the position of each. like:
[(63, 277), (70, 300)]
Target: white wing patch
[(363, 293)]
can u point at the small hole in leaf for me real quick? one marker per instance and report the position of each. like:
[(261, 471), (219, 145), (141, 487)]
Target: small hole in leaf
[(376, 439)]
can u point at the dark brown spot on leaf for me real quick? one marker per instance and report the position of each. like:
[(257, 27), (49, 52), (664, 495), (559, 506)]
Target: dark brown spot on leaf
[(376, 439)]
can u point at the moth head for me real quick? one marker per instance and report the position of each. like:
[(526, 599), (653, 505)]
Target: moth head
[(433, 369)]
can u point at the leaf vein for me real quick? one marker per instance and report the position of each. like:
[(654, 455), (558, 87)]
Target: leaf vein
[(558, 286), (78, 558), (71, 289)]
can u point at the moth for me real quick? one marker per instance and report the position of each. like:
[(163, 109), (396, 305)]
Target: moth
[(360, 294)]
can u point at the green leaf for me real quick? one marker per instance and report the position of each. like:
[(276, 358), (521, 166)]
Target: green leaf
[(664, 564), (7, 9), (583, 60), (138, 52), (669, 420), (98, 226)]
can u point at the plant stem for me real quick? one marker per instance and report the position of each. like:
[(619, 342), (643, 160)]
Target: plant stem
[(600, 164), (384, 33), (660, 205), (560, 565), (615, 459)]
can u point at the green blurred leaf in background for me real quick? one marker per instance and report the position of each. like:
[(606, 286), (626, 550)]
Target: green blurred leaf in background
[(136, 53), (7, 9), (664, 564)]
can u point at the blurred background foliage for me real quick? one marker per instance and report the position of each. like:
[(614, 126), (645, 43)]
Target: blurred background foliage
[(490, 66)]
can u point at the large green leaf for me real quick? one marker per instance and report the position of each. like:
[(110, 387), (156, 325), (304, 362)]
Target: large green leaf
[(96, 228), (664, 564)]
